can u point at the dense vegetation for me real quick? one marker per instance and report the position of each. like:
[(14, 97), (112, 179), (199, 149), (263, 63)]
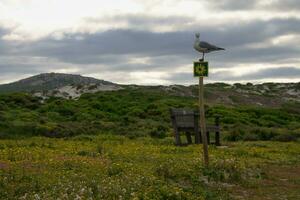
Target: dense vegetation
[(137, 112)]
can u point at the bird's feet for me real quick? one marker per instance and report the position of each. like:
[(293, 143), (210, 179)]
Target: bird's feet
[(201, 59)]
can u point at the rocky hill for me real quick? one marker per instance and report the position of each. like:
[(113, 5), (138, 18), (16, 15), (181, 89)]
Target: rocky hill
[(75, 91), (51, 81), (73, 86)]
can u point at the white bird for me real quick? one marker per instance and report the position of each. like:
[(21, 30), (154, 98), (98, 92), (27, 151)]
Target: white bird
[(204, 47)]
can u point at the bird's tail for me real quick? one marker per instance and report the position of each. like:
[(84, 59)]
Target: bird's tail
[(219, 48)]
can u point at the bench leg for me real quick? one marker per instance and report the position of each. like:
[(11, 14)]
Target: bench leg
[(177, 138), (200, 137), (217, 138), (188, 137), (197, 137), (208, 138)]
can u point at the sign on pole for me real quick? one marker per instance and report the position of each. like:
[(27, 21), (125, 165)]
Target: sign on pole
[(200, 69)]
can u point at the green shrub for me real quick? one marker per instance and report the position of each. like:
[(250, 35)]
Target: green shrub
[(137, 112), (20, 100), (114, 170), (235, 133), (101, 148), (263, 133), (83, 138), (5, 135), (159, 132), (287, 137), (66, 129), (223, 171), (47, 129), (164, 171), (250, 137), (2, 116), (3, 106)]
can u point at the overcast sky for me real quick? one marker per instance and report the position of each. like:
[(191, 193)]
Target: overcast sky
[(150, 41)]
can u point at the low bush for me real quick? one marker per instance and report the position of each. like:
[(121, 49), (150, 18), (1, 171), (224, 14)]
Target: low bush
[(231, 171), (236, 132), (83, 138), (260, 133), (100, 148), (159, 132), (87, 153), (250, 137), (114, 170), (264, 133), (287, 137)]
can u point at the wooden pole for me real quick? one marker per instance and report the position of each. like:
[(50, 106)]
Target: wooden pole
[(202, 121)]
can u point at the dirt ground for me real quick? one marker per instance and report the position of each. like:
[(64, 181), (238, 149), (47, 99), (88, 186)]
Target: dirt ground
[(280, 183)]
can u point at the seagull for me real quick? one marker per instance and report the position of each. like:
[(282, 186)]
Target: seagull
[(204, 47)]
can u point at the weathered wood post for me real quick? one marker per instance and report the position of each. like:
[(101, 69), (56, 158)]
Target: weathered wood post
[(202, 121)]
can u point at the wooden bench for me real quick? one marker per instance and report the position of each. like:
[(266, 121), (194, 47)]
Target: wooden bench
[(187, 121)]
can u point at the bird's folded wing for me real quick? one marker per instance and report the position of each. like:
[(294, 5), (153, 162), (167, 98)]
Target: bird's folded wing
[(208, 46)]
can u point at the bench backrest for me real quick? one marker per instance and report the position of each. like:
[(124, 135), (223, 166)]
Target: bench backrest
[(183, 118)]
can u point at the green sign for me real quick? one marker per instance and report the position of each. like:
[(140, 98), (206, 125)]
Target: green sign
[(201, 69)]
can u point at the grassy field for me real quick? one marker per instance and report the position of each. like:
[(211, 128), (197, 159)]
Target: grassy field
[(116, 167)]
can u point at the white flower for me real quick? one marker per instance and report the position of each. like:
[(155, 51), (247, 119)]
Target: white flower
[(37, 197), (77, 197)]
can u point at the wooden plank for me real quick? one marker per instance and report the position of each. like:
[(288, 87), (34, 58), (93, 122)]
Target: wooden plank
[(211, 128)]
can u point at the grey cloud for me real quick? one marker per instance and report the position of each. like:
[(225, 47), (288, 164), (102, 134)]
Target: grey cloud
[(29, 65), (125, 64), (181, 78), (255, 31), (3, 31), (139, 20), (269, 54), (4, 46), (19, 68), (233, 4), (276, 72), (286, 5), (113, 42)]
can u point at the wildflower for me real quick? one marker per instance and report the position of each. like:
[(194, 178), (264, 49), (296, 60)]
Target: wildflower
[(37, 197)]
